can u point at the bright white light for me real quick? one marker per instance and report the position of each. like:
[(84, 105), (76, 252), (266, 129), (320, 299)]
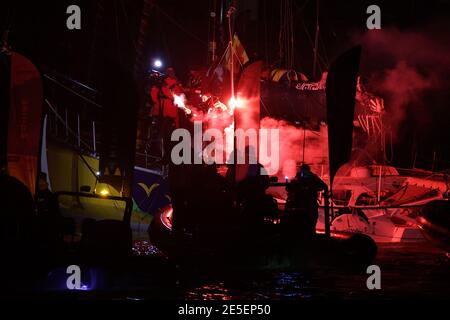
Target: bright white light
[(179, 101), (234, 103), (157, 63), (97, 173)]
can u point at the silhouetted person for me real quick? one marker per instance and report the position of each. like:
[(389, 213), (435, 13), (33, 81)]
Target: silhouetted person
[(301, 211), (165, 108), (179, 177), (252, 183), (50, 222), (209, 203), (47, 204), (18, 211), (17, 248)]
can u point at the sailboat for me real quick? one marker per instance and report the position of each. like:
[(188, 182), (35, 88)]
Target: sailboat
[(73, 139)]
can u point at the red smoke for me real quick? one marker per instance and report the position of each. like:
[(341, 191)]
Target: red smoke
[(404, 86), (404, 66), (425, 49), (291, 147)]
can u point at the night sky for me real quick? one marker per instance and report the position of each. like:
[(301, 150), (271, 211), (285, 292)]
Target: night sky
[(416, 32)]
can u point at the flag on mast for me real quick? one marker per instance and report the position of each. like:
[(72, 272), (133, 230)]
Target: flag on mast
[(240, 55)]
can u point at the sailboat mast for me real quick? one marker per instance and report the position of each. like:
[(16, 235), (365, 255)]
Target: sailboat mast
[(316, 40), (5, 84), (230, 47), (212, 35)]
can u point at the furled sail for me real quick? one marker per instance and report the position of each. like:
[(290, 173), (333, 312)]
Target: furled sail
[(340, 97)]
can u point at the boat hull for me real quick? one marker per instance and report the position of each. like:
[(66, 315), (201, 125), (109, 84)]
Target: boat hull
[(266, 248)]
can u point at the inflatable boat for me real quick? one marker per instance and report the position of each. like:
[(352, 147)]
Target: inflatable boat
[(434, 222), (262, 247)]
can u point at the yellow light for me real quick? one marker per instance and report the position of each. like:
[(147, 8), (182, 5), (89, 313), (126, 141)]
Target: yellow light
[(104, 192)]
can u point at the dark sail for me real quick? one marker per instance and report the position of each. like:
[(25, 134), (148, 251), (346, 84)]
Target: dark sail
[(25, 115), (5, 85), (114, 67), (118, 128), (341, 91), (247, 114), (248, 108)]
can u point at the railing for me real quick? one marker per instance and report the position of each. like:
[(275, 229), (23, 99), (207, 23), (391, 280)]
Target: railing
[(74, 121), (61, 128), (128, 201)]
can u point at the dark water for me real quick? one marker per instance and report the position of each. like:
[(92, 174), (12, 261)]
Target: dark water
[(407, 271)]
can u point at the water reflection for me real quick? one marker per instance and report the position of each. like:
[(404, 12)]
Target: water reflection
[(210, 291), (292, 286), (395, 260), (262, 286), (145, 248)]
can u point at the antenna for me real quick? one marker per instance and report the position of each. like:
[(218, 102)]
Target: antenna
[(316, 39), (5, 46), (230, 11)]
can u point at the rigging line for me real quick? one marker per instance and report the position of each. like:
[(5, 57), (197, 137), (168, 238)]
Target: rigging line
[(300, 9), (265, 108), (72, 91), (88, 166), (312, 44), (133, 41), (210, 72), (391, 158), (283, 23), (266, 50), (220, 61), (117, 33), (286, 35), (209, 35), (237, 57), (99, 15), (288, 32), (67, 78), (180, 26), (285, 31), (292, 38), (320, 66), (163, 38), (280, 43), (286, 28), (9, 19), (316, 38), (324, 49), (230, 34), (64, 123)]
